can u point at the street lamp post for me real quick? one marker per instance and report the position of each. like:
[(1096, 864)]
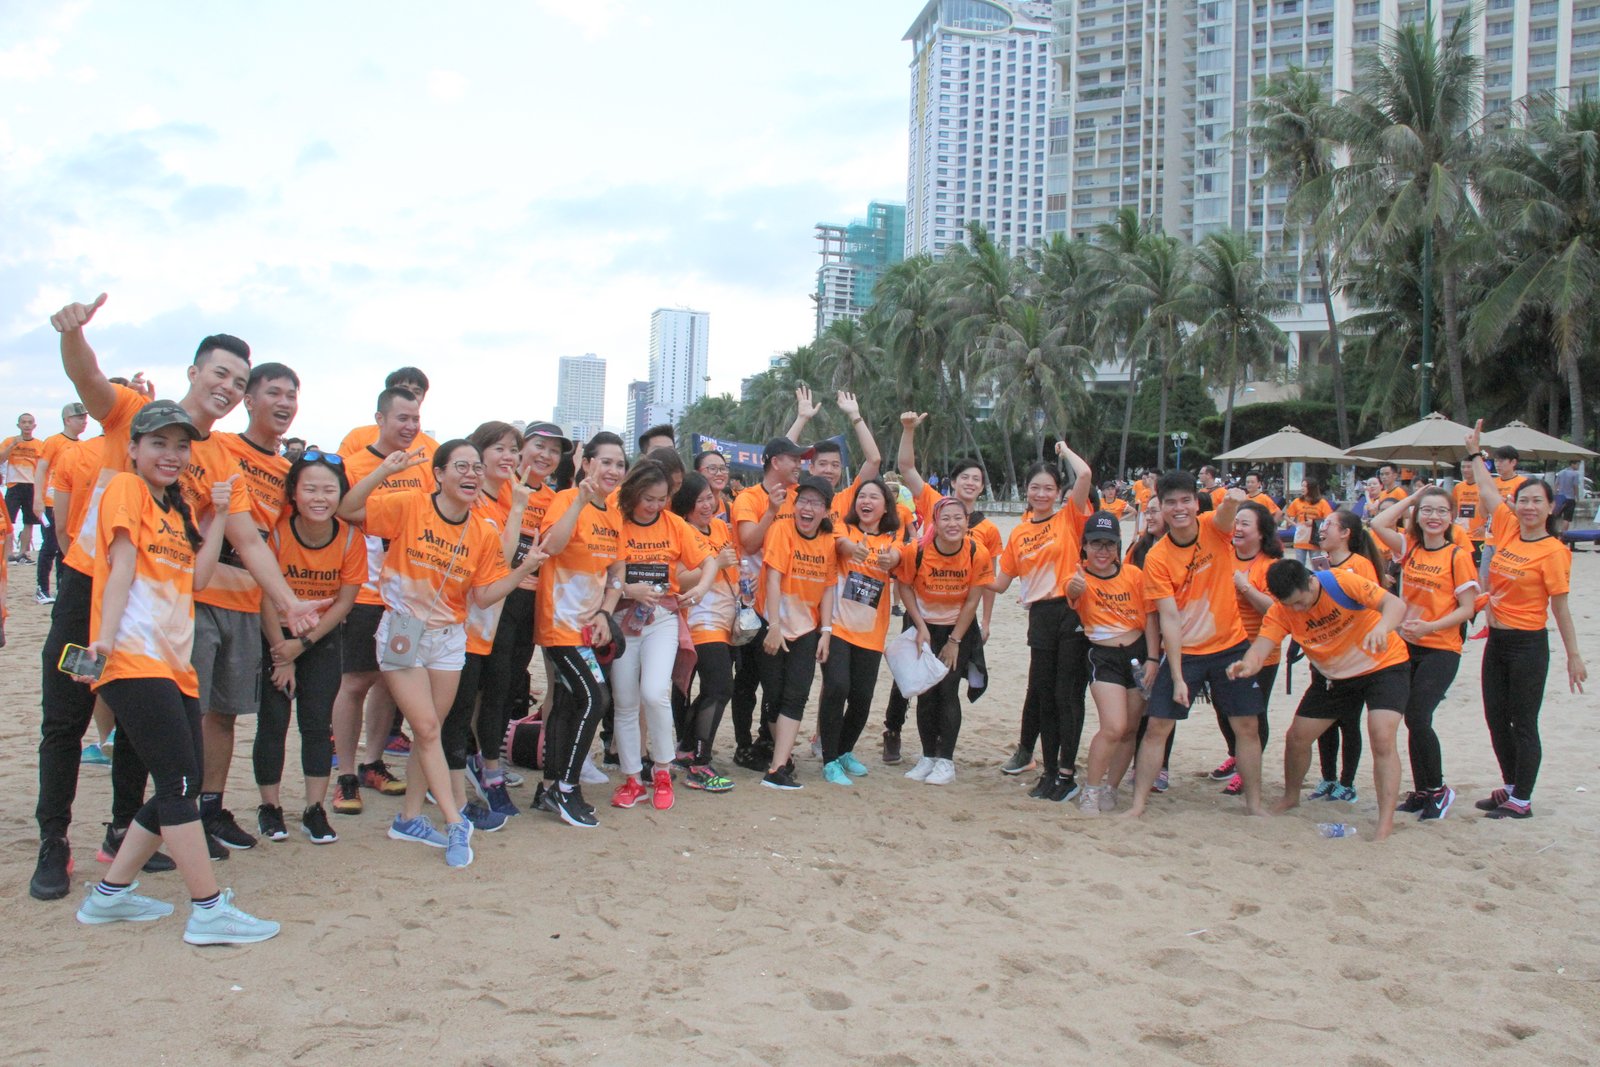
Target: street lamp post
[(1178, 440)]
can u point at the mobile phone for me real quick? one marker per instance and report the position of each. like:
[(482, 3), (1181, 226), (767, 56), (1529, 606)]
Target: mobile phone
[(1319, 562), (80, 662)]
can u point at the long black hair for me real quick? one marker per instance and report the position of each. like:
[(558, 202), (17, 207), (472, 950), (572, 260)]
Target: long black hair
[(890, 522), (174, 500)]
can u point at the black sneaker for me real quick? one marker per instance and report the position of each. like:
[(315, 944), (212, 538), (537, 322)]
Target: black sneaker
[(891, 747), (269, 819), (1043, 787), (1437, 803), (216, 849), (1066, 787), (1412, 803), (1493, 800), (158, 863), (227, 832), (571, 808), (52, 877), (579, 799), (745, 756), (782, 778), (314, 824), (610, 759)]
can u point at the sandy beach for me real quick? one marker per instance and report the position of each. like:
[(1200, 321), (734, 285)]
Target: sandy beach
[(892, 923)]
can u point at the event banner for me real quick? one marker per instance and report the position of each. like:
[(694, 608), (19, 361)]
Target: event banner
[(744, 455)]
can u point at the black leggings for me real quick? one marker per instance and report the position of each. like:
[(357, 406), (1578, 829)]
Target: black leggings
[(786, 676), (316, 683), (748, 679), (455, 735), (516, 622), (939, 709), (1058, 678), (849, 679), (1344, 734), (1268, 675), (713, 665), (49, 550), (577, 705), (1432, 671), (497, 682), (1515, 666), (163, 724)]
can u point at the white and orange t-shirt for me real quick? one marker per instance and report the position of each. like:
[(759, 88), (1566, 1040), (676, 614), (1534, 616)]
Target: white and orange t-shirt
[(807, 567), (748, 507), (654, 552), (861, 606), (1113, 609), (359, 464), (74, 472), (574, 580), (155, 637), (941, 582), (364, 437), (1043, 554), (116, 430), (1304, 514), (432, 563), (1331, 635), (262, 476), (23, 461), (319, 573), (711, 619), (1199, 578), (1255, 571), (982, 529), (482, 622), (1430, 582), (1524, 575)]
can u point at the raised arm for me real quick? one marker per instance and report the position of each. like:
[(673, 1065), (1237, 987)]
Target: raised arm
[(871, 458), (1383, 524), (78, 359), (804, 412), (353, 508), (1082, 480), (906, 460), (1488, 492)]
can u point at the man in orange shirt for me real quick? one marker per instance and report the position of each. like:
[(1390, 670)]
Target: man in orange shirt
[(56, 449), (21, 454), (1469, 511), (1211, 486), (1389, 479), (1253, 491), (414, 382)]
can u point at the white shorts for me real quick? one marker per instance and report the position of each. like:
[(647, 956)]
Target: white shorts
[(443, 649)]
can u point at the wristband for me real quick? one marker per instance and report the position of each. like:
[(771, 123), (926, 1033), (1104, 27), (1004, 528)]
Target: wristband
[(827, 629)]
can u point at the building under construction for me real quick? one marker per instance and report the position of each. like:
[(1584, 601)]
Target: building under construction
[(854, 257)]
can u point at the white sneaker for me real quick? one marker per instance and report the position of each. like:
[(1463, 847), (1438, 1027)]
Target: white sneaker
[(1089, 800), (592, 775), (816, 747), (924, 767), (1108, 798), (943, 773)]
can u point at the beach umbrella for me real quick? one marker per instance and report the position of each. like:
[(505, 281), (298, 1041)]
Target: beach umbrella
[(1288, 445), (1531, 444), (1435, 440)]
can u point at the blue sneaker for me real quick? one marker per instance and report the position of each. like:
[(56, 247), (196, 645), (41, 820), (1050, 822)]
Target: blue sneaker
[(1344, 793), (834, 772), (481, 818), (122, 906), (458, 853), (419, 830), (500, 801), (474, 770), (1324, 790), (851, 765), (94, 756), (224, 924)]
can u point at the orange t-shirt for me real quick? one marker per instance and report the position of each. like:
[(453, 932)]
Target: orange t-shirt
[(262, 475), (532, 519), (210, 462), (1044, 554), (55, 447), (1331, 635), (861, 608), (74, 472), (1469, 510), (1524, 575), (1142, 494), (115, 432), (1358, 564), (807, 569), (843, 499), (984, 531), (1302, 513), (1430, 580), (1217, 493), (155, 637), (357, 466), (319, 573), (482, 623), (748, 507), (24, 459), (942, 582), (1267, 502), (364, 437), (1116, 506), (1199, 578), (1255, 569), (711, 620), (575, 579), (654, 553), (1113, 609), (432, 562), (1508, 494)]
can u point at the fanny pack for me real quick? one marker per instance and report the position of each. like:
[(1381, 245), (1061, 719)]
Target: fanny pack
[(405, 630)]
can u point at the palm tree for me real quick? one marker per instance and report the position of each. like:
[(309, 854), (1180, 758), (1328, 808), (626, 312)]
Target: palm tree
[(1038, 372), (1231, 304), (981, 286), (1115, 244), (1410, 130), (1150, 291), (912, 327), (1291, 126), (849, 357)]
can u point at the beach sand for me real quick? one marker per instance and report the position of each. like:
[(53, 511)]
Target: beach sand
[(890, 923)]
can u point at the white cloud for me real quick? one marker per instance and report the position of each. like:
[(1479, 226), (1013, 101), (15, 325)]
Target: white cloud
[(446, 85), (29, 60)]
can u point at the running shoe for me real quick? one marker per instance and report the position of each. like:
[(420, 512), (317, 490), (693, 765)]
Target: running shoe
[(1235, 786), (1163, 781), (417, 829), (94, 756), (852, 766), (398, 746), (816, 747), (376, 775), (1412, 803), (224, 924), (1223, 771), (217, 850), (1324, 790), (269, 820), (120, 906), (1438, 803), (1019, 762), (499, 800), (610, 759), (1066, 787), (158, 863), (1089, 800), (1493, 801), (943, 773), (1041, 789), (226, 831), (923, 768), (834, 772), (458, 852), (475, 776), (570, 807), (782, 778), (27, 559), (513, 779), (745, 756), (42, 597), (347, 795), (1108, 798), (314, 824), (661, 792), (52, 876), (482, 818), (592, 775), (1343, 792), (629, 793), (1511, 809), (579, 799), (891, 747), (706, 778)]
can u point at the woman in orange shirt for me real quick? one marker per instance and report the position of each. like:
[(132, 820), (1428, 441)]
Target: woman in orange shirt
[(1529, 578), (1439, 583), (710, 622), (321, 559), (801, 568), (1255, 548), (1304, 512), (1348, 547), (148, 560)]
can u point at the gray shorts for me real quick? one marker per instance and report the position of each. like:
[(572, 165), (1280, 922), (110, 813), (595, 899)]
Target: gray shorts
[(227, 657)]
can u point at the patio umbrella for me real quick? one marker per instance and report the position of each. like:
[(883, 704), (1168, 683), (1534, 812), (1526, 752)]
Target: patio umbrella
[(1288, 445), (1531, 444), (1434, 439)]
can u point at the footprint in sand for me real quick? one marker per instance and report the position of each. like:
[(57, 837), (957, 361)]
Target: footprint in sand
[(827, 1000)]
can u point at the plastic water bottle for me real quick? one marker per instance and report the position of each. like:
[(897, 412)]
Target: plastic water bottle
[(1336, 829), (747, 580)]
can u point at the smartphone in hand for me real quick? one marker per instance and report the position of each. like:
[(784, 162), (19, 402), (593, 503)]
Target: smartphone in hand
[(80, 662)]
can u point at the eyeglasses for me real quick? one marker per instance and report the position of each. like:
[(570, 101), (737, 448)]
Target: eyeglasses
[(713, 468), (461, 466), (332, 459), (1434, 513)]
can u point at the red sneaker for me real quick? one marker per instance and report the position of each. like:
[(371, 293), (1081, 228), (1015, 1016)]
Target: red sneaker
[(1235, 786), (1225, 770), (662, 797), (629, 793)]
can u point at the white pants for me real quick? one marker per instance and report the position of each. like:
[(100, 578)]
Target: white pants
[(643, 676)]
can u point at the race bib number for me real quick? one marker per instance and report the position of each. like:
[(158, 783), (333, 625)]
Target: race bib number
[(649, 573), (524, 543), (863, 589)]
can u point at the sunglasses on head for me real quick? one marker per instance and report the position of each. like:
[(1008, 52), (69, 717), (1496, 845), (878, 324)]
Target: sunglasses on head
[(333, 459)]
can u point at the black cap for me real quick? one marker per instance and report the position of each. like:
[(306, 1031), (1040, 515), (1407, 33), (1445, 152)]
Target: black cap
[(159, 414), (816, 485), (1102, 526), (550, 430), (782, 446)]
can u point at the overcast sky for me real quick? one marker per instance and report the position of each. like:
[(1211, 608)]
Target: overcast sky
[(477, 189)]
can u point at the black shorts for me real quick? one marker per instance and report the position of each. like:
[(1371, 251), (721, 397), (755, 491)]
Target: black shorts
[(1117, 665), (1232, 697), (1343, 698), (1568, 511), (360, 653), (19, 501)]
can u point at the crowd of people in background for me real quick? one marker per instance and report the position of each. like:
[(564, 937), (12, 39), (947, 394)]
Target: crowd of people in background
[(198, 577)]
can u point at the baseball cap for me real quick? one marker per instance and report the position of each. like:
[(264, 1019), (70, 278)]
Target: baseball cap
[(815, 484), (1102, 526), (550, 430), (782, 446), (159, 414), (72, 409)]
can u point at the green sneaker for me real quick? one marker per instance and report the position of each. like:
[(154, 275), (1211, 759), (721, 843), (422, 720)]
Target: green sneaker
[(851, 765), (834, 772), (706, 778), (122, 906)]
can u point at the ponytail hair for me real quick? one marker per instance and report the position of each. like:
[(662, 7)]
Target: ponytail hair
[(176, 502), (1362, 543)]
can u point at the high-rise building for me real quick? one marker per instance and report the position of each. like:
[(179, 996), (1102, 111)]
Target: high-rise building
[(854, 257), (678, 360), (640, 415), (580, 396), (981, 83)]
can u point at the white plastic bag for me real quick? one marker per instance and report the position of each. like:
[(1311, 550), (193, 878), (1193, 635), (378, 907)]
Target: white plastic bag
[(915, 668)]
